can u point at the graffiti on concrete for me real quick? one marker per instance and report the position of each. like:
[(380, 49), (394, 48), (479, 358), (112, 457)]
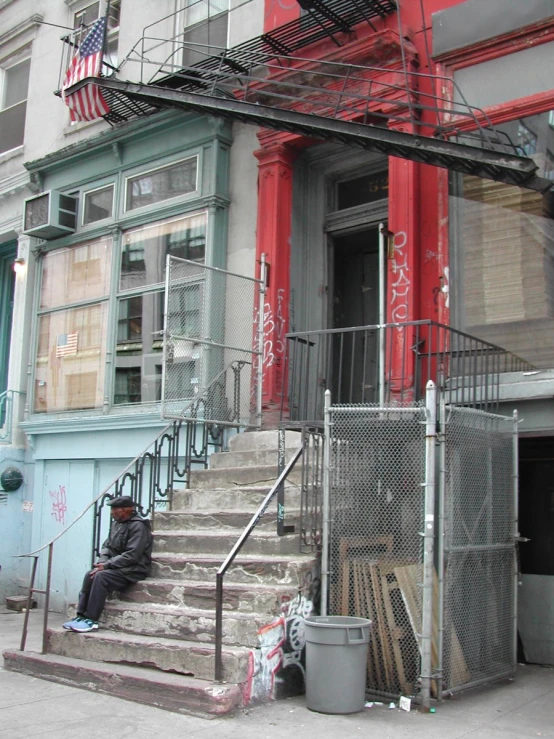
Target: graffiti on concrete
[(277, 666)]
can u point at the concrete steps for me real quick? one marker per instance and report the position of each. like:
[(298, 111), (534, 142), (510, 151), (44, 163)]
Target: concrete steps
[(177, 693), (170, 655), (156, 643)]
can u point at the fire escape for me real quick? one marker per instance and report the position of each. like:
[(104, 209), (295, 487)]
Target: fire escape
[(279, 81)]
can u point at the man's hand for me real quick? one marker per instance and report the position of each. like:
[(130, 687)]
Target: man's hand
[(97, 568)]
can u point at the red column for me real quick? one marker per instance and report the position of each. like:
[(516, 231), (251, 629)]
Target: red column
[(273, 239), (402, 277)]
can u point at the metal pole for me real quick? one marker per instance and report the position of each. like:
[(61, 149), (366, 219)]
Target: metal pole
[(260, 379), (428, 544), (281, 489), (516, 530), (29, 605), (441, 437), (218, 626), (325, 503), (47, 597), (382, 313)]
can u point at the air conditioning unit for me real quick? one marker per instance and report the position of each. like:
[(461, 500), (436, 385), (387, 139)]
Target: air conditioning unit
[(50, 215)]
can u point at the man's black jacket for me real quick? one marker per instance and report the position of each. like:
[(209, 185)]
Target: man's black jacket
[(128, 548)]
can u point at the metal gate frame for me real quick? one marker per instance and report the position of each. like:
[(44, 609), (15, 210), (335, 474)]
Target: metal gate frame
[(218, 292), (429, 578)]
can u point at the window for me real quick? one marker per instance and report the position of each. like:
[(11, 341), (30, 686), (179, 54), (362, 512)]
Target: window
[(140, 315), (144, 250), (14, 84), (361, 190), (88, 14), (162, 184), (526, 140), (98, 205), (71, 353), (205, 29), (502, 254)]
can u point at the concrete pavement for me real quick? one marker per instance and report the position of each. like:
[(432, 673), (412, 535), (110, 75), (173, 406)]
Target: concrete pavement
[(30, 707)]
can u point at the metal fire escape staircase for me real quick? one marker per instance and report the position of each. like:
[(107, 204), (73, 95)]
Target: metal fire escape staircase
[(279, 81)]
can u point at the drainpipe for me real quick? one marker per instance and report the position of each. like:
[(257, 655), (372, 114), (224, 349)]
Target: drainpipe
[(382, 312)]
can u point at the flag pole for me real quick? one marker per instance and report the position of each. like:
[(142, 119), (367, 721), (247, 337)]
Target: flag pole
[(105, 41)]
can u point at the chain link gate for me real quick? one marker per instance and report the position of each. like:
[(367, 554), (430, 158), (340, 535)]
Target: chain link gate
[(478, 556), (213, 345), (435, 574), (377, 476)]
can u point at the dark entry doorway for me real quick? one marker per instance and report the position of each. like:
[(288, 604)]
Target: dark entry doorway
[(536, 523), (354, 302)]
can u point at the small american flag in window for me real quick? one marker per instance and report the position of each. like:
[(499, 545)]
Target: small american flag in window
[(66, 344)]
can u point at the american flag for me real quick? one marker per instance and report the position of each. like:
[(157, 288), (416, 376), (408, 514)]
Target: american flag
[(66, 344), (87, 103)]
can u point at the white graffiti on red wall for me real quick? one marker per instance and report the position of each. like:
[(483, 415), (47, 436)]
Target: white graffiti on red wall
[(59, 504), (274, 330), (401, 282), (276, 667)]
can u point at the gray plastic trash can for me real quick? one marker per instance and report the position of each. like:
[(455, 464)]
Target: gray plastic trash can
[(336, 663)]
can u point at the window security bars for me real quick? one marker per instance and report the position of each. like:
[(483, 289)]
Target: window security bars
[(348, 361)]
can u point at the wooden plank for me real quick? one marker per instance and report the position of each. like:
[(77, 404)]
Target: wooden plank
[(408, 580), (385, 650), (345, 587), (394, 632), (361, 611), (374, 642)]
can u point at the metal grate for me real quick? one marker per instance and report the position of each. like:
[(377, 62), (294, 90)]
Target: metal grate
[(211, 344), (479, 549), (376, 549)]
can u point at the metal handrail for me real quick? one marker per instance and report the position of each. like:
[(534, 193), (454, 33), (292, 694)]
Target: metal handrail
[(233, 553)]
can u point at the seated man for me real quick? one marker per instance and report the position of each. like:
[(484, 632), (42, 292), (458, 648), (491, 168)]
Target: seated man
[(125, 558)]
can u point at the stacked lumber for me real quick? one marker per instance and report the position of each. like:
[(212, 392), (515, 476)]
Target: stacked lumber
[(389, 593)]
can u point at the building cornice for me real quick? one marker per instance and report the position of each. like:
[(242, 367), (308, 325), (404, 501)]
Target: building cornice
[(14, 184), (108, 139), (31, 24)]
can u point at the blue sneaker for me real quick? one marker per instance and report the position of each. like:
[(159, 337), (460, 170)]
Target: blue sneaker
[(68, 624), (85, 624)]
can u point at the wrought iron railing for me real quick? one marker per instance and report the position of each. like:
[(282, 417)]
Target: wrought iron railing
[(311, 488), (149, 479), (6, 415), (391, 364)]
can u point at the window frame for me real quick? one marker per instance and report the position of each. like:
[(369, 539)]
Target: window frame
[(82, 196), (4, 71), (451, 312), (137, 172)]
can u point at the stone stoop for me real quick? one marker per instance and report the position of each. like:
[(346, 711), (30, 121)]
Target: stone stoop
[(156, 643)]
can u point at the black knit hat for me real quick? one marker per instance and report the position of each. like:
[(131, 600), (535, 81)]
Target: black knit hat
[(124, 501)]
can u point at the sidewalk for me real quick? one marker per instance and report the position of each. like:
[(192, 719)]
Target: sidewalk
[(30, 707)]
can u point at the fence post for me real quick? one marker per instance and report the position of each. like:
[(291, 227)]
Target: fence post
[(428, 544), (441, 438), (516, 529), (325, 504)]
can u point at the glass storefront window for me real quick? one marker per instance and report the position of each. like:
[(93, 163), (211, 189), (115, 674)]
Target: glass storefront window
[(144, 250), (502, 253), (76, 274), (139, 349), (161, 184), (71, 359)]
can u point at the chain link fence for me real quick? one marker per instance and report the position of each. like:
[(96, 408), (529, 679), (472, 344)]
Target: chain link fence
[(380, 506), (479, 548), (377, 471), (211, 345)]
